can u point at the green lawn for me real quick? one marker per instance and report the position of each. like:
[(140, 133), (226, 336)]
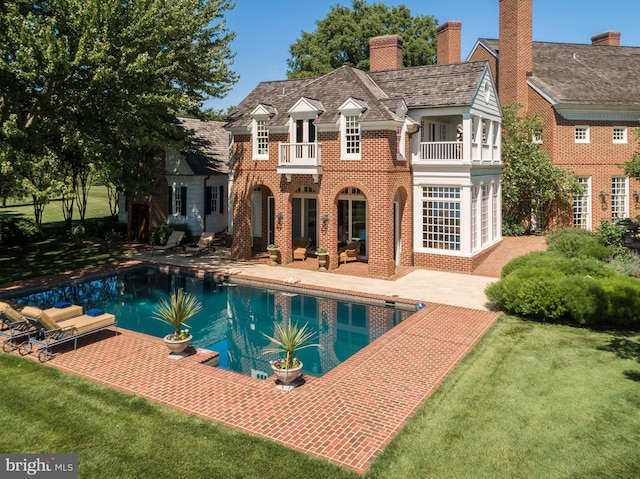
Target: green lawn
[(531, 401), (55, 252), (97, 207)]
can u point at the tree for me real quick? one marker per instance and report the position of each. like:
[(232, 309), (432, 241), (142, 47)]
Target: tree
[(632, 167), (342, 38), (95, 83), (531, 184)]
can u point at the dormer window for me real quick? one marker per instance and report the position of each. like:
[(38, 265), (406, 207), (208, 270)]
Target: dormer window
[(351, 135), (261, 139), (350, 128), (260, 132)]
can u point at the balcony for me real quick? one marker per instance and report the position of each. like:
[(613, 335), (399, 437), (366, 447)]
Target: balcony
[(300, 159), (441, 151), (450, 151)]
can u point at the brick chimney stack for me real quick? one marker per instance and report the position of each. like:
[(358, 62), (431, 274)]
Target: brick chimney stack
[(607, 38), (385, 53), (515, 50), (449, 45)]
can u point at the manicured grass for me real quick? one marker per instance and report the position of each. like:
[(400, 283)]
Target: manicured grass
[(97, 207), (55, 253), (531, 401), (118, 435)]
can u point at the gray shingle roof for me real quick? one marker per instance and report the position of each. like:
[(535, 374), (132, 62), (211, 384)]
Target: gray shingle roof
[(209, 151), (433, 86), (586, 74), (426, 86)]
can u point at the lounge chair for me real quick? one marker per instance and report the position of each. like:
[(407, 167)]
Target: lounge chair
[(172, 242), (50, 333), (300, 245), (15, 326), (350, 252), (203, 244)]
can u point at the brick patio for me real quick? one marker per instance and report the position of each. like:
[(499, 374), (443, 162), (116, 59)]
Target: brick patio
[(347, 416)]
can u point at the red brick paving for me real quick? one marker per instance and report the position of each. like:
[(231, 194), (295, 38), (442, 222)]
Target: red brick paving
[(347, 416)]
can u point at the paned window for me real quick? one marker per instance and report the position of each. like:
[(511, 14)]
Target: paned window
[(496, 219), (474, 217), (581, 206), (441, 217), (262, 139), (618, 198), (619, 134), (352, 135), (484, 215), (582, 134)]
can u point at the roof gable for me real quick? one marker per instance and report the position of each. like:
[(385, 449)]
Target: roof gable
[(208, 153)]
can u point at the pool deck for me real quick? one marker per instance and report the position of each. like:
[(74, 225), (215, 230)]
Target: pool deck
[(348, 415)]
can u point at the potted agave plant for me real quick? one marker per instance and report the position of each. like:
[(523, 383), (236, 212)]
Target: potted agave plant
[(176, 311), (288, 338)]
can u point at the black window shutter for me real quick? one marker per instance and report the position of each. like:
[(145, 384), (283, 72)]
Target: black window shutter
[(221, 199), (183, 194), (169, 201), (208, 192)]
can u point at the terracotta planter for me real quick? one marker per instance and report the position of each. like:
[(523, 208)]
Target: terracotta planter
[(177, 346), (323, 261), (287, 376), (273, 255)]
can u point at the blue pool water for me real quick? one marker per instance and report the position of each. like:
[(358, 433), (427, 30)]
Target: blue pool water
[(233, 317)]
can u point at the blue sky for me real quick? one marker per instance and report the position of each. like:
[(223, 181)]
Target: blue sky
[(265, 29)]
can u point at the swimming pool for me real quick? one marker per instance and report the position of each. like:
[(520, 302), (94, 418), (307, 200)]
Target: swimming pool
[(234, 316)]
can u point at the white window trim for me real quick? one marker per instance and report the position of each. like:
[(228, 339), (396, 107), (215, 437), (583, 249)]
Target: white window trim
[(623, 140), (256, 155), (586, 139), (343, 136)]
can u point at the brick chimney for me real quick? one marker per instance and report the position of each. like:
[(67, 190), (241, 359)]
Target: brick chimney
[(515, 51), (385, 53), (449, 45), (607, 38)]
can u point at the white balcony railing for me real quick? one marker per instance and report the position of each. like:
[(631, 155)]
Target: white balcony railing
[(441, 150), (300, 154)]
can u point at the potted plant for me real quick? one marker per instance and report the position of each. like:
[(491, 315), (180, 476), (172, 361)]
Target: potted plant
[(274, 251), (323, 258), (288, 338), (175, 311)]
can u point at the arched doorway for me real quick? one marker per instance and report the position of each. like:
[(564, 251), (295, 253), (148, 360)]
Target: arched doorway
[(304, 215), (352, 218)]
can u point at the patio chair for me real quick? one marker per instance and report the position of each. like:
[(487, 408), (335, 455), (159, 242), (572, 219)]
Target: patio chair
[(15, 326), (300, 245), (173, 241), (49, 333), (203, 244), (350, 252)]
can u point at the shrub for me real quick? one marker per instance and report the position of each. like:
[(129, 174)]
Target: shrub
[(626, 262), (623, 300), (568, 266), (572, 242), (160, 234), (530, 292), (584, 299), (611, 234), (17, 231), (512, 227)]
